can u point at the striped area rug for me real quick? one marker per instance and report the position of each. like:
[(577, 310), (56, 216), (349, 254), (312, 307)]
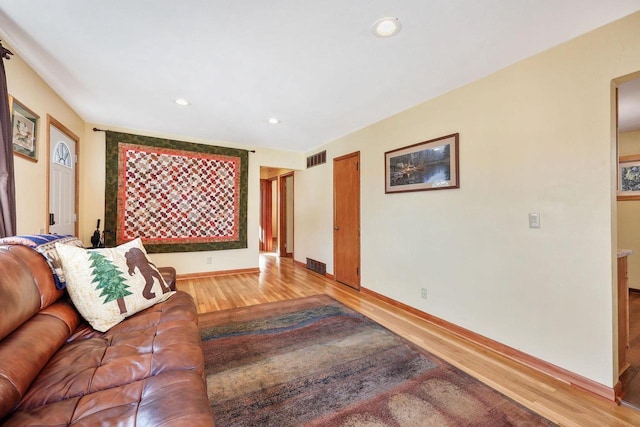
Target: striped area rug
[(313, 361)]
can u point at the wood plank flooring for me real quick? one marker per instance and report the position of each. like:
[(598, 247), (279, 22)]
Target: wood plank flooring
[(281, 279)]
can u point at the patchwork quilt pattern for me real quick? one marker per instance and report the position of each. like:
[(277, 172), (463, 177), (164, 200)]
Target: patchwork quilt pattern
[(168, 196), (176, 196)]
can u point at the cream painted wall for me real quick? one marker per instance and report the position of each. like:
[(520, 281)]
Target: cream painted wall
[(31, 178), (269, 172), (92, 202), (629, 214), (534, 137)]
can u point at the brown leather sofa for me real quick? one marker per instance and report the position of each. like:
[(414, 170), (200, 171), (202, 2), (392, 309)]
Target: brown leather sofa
[(56, 370)]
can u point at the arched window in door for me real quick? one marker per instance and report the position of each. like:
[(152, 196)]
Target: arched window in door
[(62, 155)]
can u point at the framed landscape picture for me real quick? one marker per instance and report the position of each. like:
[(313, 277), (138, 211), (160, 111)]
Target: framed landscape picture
[(629, 177), (429, 165), (24, 128)]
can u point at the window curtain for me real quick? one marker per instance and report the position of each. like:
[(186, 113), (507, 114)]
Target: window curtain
[(7, 179)]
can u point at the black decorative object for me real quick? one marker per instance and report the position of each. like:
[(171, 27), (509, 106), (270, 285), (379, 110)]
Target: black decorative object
[(95, 239)]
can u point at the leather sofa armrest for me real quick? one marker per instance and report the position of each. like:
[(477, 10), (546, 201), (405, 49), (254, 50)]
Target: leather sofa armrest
[(169, 275)]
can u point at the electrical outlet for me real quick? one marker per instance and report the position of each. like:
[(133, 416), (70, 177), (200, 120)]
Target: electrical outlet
[(424, 293), (209, 260)]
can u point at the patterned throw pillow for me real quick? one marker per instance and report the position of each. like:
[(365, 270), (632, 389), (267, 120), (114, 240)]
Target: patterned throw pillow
[(108, 285)]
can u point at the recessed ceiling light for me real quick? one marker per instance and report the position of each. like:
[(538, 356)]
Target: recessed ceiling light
[(183, 102), (273, 121), (386, 27)]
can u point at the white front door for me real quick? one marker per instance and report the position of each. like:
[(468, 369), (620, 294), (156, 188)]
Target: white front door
[(62, 182)]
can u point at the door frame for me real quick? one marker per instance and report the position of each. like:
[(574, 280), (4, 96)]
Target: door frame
[(51, 121)]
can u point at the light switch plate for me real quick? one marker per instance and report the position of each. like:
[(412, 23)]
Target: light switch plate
[(534, 220)]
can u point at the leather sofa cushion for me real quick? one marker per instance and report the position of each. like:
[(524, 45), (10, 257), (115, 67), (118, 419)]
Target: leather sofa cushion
[(160, 339), (176, 398), (28, 349), (40, 273), (19, 292)]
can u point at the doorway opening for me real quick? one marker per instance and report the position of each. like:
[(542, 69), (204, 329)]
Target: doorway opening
[(628, 237), (276, 211)]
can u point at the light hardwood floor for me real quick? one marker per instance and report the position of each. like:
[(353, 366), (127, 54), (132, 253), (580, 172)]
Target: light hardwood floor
[(281, 279)]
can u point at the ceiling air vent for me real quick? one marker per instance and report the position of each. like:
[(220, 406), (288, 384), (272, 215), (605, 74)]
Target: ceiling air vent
[(317, 159)]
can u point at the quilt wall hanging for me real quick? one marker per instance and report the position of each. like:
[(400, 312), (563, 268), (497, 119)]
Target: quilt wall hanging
[(176, 196)]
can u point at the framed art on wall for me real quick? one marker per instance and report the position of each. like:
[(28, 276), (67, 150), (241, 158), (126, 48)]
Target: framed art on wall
[(24, 128), (629, 177), (428, 165)]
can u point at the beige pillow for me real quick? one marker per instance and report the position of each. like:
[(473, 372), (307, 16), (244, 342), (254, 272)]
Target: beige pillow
[(109, 285)]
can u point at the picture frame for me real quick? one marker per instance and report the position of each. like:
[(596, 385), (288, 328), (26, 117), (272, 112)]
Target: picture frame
[(428, 165), (629, 177), (24, 130)]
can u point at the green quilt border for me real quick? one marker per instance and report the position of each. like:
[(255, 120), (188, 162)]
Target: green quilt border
[(113, 139)]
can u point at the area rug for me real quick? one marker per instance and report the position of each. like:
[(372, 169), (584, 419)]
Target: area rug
[(313, 361)]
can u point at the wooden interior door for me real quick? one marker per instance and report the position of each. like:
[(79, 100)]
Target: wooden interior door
[(285, 234), (266, 209), (623, 316), (346, 219)]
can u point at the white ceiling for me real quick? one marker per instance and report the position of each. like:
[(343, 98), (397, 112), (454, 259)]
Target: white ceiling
[(315, 65)]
